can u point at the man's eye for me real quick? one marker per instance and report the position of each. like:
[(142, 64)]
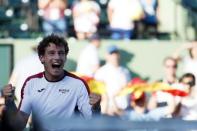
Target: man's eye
[(51, 53), (62, 53)]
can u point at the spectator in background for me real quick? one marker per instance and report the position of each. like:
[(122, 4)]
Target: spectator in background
[(150, 19), (121, 16), (88, 61), (161, 98), (190, 60), (27, 66), (187, 108), (140, 112), (115, 78), (170, 69), (86, 18), (53, 19)]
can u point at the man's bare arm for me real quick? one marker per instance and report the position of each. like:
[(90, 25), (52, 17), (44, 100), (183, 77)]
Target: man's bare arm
[(15, 119)]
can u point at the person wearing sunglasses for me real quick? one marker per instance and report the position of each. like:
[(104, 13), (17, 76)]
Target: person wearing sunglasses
[(161, 99), (187, 108), (187, 54)]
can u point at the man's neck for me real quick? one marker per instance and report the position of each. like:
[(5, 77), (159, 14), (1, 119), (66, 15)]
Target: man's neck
[(52, 78), (170, 79)]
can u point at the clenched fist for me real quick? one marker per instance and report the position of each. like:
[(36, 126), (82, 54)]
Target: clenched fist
[(95, 100), (8, 91)]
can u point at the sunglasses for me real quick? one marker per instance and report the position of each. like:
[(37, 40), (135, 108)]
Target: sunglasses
[(171, 66), (190, 83)]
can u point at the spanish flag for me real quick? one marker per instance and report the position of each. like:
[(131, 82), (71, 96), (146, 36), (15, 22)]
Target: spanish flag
[(95, 86), (139, 87)]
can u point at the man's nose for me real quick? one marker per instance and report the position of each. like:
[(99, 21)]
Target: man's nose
[(57, 56)]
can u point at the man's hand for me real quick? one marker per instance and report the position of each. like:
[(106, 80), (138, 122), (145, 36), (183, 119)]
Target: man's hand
[(95, 100), (8, 91), (16, 119)]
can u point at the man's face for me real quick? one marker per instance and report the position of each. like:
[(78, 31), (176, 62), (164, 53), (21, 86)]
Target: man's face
[(114, 58), (170, 67), (53, 61)]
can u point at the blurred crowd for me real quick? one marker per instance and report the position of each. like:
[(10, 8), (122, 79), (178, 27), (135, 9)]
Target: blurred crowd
[(113, 19), (126, 18), (126, 96)]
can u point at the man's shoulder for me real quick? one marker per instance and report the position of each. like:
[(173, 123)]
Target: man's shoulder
[(72, 75), (77, 79), (72, 78), (38, 75)]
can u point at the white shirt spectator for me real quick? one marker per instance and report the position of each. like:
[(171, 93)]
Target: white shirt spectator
[(88, 60), (123, 12), (86, 16), (115, 79), (189, 108), (190, 66)]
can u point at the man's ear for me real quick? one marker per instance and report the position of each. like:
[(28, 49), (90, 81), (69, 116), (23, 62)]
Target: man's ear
[(41, 59)]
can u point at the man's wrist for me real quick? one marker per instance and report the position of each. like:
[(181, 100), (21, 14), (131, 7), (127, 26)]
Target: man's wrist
[(96, 109)]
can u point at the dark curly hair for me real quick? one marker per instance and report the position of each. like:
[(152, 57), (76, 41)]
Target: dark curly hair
[(190, 75), (55, 39)]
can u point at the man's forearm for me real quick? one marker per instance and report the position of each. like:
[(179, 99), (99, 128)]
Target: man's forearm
[(96, 110), (12, 117)]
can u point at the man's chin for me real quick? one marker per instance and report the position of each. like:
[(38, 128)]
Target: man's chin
[(57, 72), (57, 76)]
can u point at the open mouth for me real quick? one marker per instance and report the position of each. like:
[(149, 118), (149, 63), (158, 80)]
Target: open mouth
[(56, 65)]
